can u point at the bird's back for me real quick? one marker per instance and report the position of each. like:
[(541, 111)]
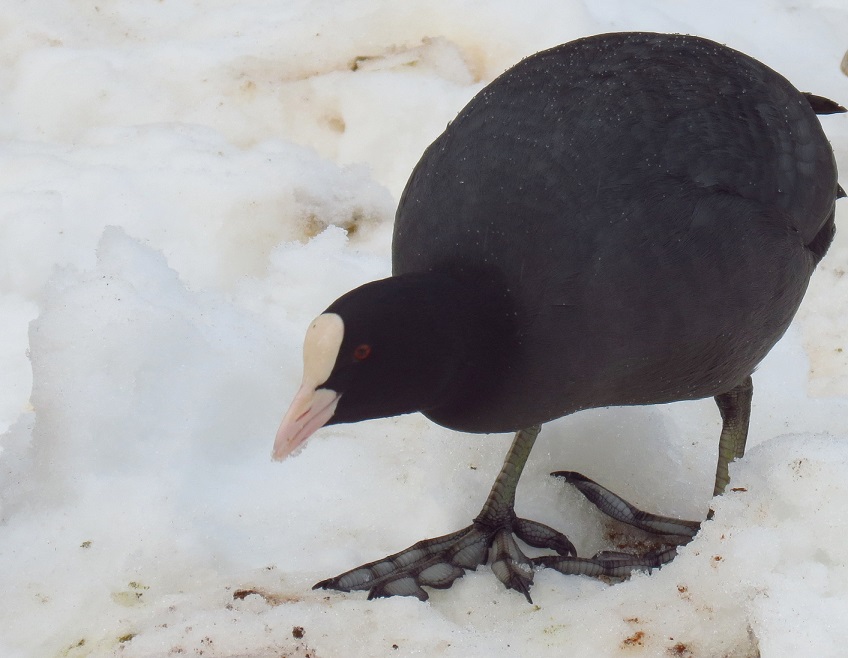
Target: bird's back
[(655, 204)]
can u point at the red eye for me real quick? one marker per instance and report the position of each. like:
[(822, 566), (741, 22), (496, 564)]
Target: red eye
[(361, 352)]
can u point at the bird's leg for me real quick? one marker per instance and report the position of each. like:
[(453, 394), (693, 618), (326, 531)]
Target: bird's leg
[(735, 409), (439, 562), (510, 565)]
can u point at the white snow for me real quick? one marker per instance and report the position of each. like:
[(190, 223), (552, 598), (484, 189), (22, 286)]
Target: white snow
[(176, 180)]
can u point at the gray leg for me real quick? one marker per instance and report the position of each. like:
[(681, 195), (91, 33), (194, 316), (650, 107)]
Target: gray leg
[(735, 408), (439, 562)]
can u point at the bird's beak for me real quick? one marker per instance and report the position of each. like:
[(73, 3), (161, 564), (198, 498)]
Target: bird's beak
[(310, 409), (312, 406)]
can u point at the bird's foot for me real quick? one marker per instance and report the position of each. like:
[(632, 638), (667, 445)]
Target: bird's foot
[(439, 562), (492, 537), (674, 533)]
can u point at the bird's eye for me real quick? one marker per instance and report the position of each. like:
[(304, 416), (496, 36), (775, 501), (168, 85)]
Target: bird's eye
[(361, 352)]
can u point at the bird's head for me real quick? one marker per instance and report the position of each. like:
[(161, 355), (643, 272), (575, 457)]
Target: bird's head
[(390, 347)]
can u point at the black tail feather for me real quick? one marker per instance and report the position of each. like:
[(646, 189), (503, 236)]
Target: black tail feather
[(822, 105)]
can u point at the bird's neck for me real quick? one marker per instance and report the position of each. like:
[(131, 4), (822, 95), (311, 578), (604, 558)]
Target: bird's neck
[(474, 323)]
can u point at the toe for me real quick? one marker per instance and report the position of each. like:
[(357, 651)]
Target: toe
[(619, 509), (432, 562), (510, 565), (404, 586), (539, 535)]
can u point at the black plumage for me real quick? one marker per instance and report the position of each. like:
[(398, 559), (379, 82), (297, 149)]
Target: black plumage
[(625, 219), (655, 205)]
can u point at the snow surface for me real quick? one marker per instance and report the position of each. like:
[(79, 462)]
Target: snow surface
[(176, 183)]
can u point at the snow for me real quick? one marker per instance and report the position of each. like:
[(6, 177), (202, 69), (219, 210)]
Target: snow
[(183, 187)]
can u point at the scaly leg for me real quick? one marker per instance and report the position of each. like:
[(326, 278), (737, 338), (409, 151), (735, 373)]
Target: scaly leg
[(735, 409), (439, 562)]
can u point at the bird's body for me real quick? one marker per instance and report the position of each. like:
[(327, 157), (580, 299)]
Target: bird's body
[(651, 202), (625, 219)]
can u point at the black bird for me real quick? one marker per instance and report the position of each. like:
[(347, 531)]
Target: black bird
[(624, 219)]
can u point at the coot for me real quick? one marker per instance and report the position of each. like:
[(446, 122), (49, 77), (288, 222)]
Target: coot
[(624, 219)]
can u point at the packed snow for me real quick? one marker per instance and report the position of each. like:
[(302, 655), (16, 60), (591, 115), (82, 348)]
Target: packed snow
[(183, 187)]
